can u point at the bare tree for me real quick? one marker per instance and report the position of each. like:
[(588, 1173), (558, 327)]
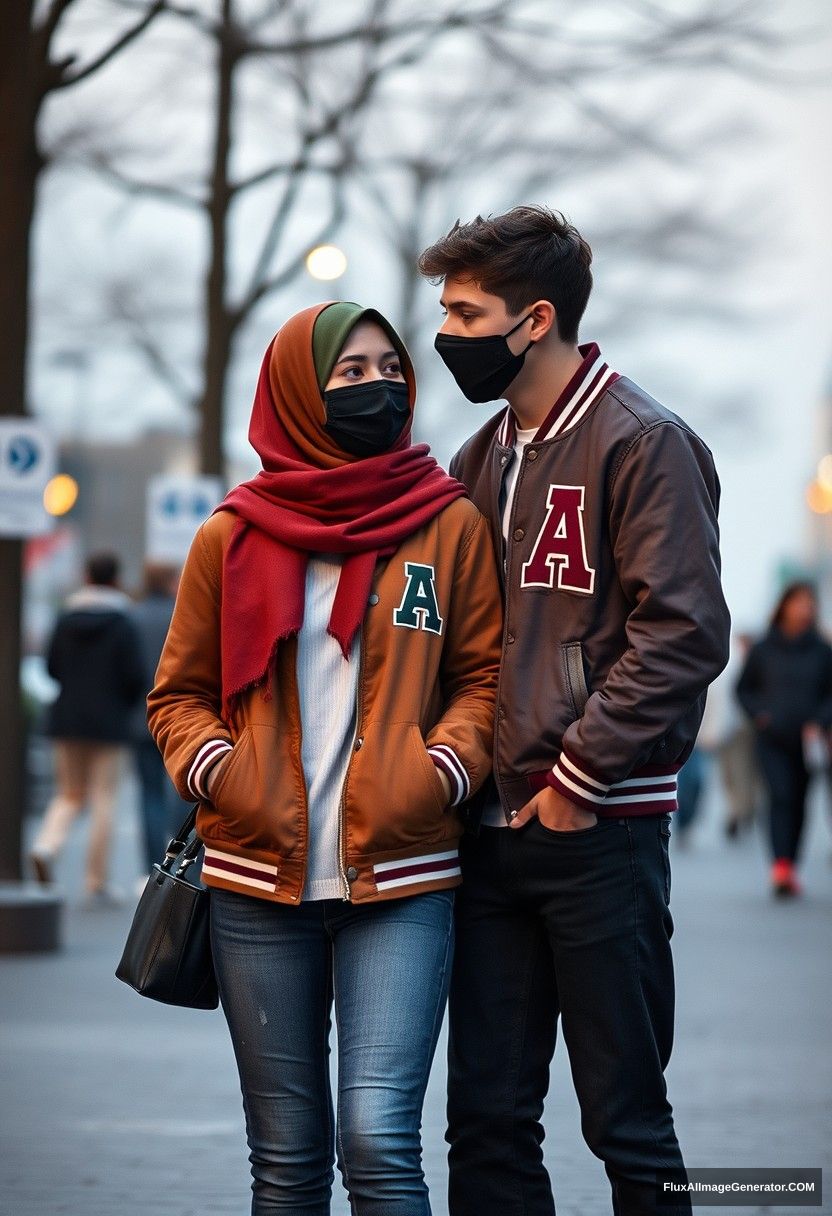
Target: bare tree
[(418, 109), (322, 82), (547, 120), (30, 72)]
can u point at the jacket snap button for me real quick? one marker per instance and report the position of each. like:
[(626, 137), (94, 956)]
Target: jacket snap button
[(374, 598), (519, 533), (352, 874), (532, 455), (359, 743), (510, 637)]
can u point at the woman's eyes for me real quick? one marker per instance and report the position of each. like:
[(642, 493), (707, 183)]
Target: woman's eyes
[(357, 372)]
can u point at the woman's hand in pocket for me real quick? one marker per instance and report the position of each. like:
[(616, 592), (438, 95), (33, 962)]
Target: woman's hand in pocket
[(446, 783), (214, 772)]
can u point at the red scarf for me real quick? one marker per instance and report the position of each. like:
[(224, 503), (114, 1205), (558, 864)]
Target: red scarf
[(311, 497)]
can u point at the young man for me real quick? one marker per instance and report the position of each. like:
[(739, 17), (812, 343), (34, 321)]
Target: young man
[(603, 511)]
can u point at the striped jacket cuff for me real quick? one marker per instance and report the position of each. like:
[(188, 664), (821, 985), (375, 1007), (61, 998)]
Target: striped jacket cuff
[(446, 759), (571, 779), (204, 761), (645, 791)]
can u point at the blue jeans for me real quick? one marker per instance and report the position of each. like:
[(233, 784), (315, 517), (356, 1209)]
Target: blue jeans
[(386, 968)]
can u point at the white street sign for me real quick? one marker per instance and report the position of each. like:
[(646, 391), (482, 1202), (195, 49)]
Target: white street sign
[(27, 463), (176, 506)]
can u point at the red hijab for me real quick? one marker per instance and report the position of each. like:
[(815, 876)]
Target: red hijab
[(312, 497)]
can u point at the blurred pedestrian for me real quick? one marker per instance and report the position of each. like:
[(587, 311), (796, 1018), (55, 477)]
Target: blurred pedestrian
[(733, 743), (786, 689), (327, 691), (160, 806), (690, 788), (94, 655)]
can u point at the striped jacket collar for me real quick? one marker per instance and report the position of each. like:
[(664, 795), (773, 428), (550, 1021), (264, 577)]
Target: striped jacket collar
[(591, 379)]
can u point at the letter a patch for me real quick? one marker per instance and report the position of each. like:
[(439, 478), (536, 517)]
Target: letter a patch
[(561, 543), (419, 608)]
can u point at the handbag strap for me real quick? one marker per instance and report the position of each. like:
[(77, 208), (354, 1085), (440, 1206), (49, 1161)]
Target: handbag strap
[(180, 846)]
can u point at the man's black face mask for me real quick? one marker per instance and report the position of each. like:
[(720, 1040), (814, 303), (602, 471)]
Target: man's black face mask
[(365, 419), (482, 367)]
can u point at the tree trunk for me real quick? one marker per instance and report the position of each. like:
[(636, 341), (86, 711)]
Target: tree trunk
[(19, 167), (219, 333)]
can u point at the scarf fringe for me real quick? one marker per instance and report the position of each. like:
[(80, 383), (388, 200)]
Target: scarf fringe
[(234, 697)]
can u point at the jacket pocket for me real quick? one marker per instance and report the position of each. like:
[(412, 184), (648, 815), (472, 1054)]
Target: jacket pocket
[(429, 768), (226, 777), (251, 801), (395, 796), (575, 676)]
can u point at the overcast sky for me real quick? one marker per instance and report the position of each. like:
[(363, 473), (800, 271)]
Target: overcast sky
[(753, 385)]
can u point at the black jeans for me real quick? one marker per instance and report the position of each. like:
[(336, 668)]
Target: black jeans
[(576, 925), (787, 781)]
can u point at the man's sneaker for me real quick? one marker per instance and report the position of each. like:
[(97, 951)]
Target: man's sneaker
[(784, 882), (42, 867)]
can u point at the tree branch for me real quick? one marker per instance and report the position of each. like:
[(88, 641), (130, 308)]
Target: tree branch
[(65, 78), (288, 273), (138, 332), (375, 35), (164, 192)]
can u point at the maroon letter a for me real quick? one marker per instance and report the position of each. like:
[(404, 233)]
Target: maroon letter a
[(561, 542)]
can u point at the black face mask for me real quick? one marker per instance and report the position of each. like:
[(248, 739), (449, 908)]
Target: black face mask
[(482, 367), (365, 419)]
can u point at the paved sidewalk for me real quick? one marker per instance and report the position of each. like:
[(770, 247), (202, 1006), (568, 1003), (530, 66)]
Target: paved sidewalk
[(109, 1099)]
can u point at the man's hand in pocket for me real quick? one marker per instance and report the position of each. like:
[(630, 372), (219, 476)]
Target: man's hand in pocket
[(554, 812)]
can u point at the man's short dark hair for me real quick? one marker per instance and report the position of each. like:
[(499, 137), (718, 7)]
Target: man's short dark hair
[(103, 569), (528, 254)]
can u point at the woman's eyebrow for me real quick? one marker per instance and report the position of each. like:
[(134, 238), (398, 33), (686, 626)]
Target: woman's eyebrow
[(388, 354)]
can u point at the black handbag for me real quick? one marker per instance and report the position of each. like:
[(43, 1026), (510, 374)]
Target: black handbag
[(167, 955)]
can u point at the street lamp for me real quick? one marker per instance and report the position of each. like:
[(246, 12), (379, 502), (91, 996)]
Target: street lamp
[(819, 497), (61, 494), (326, 263)]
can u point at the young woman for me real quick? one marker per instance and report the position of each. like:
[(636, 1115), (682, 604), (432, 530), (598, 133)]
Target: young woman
[(327, 692), (786, 690)]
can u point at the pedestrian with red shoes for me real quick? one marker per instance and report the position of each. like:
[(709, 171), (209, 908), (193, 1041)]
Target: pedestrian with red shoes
[(786, 690)]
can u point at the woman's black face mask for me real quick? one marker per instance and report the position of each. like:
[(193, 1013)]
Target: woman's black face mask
[(482, 367), (365, 419)]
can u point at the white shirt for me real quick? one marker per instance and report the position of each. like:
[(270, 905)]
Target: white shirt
[(327, 687), (493, 816)]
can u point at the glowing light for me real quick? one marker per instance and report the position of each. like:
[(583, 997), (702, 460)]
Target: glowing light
[(819, 498), (326, 262), (825, 471), (61, 494)]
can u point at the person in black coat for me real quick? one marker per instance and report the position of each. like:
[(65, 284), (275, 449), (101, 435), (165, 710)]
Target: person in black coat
[(95, 656), (161, 808), (786, 689)]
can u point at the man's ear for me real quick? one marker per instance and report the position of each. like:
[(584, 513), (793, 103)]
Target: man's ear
[(544, 320)]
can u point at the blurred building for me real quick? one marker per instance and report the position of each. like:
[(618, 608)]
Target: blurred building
[(109, 514)]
